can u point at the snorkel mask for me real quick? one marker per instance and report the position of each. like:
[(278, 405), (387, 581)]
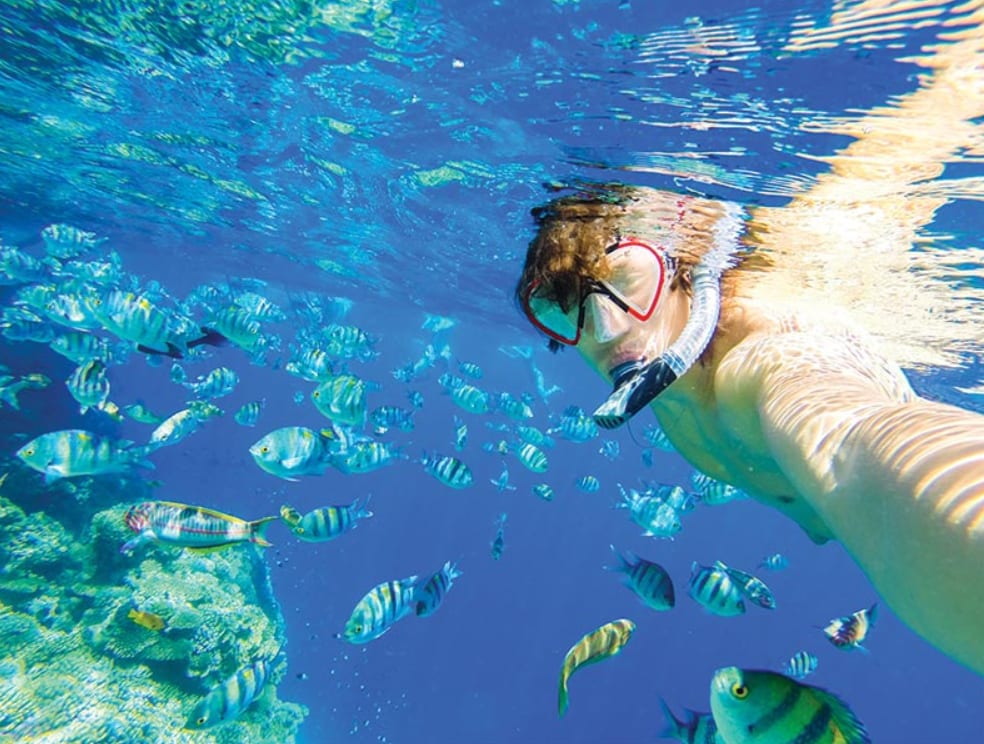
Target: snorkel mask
[(638, 383)]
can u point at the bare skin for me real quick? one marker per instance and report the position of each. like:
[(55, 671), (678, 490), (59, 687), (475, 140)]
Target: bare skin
[(810, 420)]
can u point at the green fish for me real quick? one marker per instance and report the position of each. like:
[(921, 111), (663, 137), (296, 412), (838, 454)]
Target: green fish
[(597, 645), (73, 452), (759, 707), (227, 700), (296, 450)]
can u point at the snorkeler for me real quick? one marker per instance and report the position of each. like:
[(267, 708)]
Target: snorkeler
[(654, 291)]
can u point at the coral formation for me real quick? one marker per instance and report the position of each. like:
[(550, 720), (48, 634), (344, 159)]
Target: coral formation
[(74, 667)]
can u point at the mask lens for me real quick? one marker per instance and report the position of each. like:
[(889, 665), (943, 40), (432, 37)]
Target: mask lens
[(552, 320), (637, 278)]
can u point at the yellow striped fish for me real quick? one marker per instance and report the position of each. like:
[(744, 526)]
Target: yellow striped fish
[(597, 645), (758, 707), (228, 699)]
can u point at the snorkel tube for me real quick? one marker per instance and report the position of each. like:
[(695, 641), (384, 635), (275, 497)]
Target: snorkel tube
[(637, 384)]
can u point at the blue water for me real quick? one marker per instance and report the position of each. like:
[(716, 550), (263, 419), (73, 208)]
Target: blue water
[(390, 155)]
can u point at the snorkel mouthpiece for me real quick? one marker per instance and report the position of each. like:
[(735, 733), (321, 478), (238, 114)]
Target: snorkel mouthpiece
[(635, 388), (637, 385)]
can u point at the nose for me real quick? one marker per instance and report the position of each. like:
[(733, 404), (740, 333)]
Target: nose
[(604, 319)]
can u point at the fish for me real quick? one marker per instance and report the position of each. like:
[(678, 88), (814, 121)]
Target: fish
[(326, 523), (11, 387), (532, 435), (499, 542), (656, 517), (713, 492), (471, 398), (139, 412), (610, 450), (293, 451), (89, 385), (801, 664), (385, 418), (752, 587), (367, 455), (148, 620), (588, 483), (575, 425), (227, 700), (761, 707), (502, 482), (416, 398), (379, 610), (80, 347), (175, 428), (449, 470), (532, 457), (650, 581), (349, 342), (695, 728), (850, 631), (774, 562), (429, 595), (544, 491), (657, 438), (218, 383), (249, 413), (69, 453), (470, 369), (713, 589), (514, 408), (312, 364), (603, 643), (342, 399), (460, 434), (193, 527)]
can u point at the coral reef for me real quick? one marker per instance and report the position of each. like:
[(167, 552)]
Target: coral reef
[(74, 667)]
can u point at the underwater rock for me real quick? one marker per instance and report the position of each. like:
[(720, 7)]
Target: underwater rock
[(74, 667)]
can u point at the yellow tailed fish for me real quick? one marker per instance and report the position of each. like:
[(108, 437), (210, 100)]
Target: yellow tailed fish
[(597, 645)]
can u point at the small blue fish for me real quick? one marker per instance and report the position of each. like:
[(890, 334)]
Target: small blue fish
[(801, 664), (499, 542), (774, 562), (502, 482), (696, 728), (649, 580), (460, 434), (588, 483), (249, 413), (714, 590), (448, 470), (325, 523), (543, 491), (226, 701), (379, 610), (610, 450), (575, 425), (470, 369), (430, 594)]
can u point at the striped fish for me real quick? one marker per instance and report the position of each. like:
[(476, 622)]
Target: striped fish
[(532, 457), (575, 425), (429, 595), (850, 631), (342, 399), (650, 581), (73, 452), (588, 483), (696, 728), (448, 470), (752, 587), (89, 385), (249, 413), (544, 491), (597, 645), (470, 398), (774, 562), (759, 707), (714, 590), (326, 523), (801, 664), (226, 701), (379, 610), (365, 456), (217, 383), (192, 527)]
